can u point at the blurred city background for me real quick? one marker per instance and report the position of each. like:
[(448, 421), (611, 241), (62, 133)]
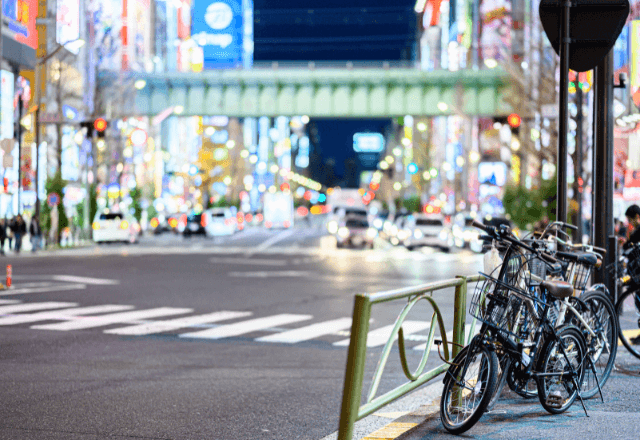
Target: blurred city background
[(151, 112)]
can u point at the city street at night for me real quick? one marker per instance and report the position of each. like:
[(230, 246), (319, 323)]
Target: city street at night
[(237, 339)]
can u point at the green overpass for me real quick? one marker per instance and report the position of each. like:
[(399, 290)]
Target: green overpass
[(321, 92)]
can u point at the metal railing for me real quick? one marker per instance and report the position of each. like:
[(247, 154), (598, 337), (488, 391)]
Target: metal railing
[(352, 411)]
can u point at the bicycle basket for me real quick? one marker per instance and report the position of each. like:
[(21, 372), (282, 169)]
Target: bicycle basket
[(497, 304), (538, 267), (581, 274), (633, 266)]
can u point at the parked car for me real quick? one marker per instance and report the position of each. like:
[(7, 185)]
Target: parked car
[(115, 226), (219, 221), (193, 225), (464, 233), (355, 231), (426, 230)]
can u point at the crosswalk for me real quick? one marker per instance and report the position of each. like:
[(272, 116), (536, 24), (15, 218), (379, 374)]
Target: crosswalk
[(282, 328)]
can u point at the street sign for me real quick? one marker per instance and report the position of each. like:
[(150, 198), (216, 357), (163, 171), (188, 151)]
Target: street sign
[(53, 200), (594, 27)]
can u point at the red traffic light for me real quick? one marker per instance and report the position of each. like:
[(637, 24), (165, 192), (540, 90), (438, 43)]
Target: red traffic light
[(514, 120), (100, 124)]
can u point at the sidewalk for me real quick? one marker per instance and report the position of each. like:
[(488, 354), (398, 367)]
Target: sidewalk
[(516, 418)]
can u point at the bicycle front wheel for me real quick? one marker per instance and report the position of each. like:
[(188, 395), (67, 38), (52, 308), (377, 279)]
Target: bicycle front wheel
[(560, 369), (468, 387), (628, 310)]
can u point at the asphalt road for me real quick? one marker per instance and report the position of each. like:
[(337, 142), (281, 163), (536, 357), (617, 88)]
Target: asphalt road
[(242, 337)]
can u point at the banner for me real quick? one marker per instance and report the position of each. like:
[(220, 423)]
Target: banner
[(217, 26)]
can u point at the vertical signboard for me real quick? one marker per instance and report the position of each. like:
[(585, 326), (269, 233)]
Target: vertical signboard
[(6, 104), (68, 23), (621, 49), (107, 25), (216, 25), (138, 41), (635, 54)]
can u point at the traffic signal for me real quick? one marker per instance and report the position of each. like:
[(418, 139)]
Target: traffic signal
[(5, 184), (100, 126), (514, 120), (89, 126)]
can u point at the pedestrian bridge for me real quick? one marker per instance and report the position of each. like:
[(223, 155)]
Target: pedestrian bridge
[(319, 92)]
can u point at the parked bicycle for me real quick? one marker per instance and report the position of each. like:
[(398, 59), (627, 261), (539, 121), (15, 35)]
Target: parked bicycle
[(554, 358)]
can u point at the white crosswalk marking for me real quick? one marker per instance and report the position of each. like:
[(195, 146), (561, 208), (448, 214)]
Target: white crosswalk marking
[(308, 332), (449, 339), (174, 324), (30, 307), (241, 328), (9, 301), (61, 315), (85, 280), (380, 336), (116, 318), (50, 288)]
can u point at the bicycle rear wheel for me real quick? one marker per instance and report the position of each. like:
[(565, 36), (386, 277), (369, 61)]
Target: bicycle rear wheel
[(560, 357), (465, 396), (603, 347), (628, 311)]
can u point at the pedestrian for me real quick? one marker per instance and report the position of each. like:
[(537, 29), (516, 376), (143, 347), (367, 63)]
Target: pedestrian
[(633, 218), (10, 224), (19, 229), (36, 233), (3, 234)]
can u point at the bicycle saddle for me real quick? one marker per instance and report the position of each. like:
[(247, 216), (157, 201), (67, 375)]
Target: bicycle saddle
[(557, 289), (579, 257)]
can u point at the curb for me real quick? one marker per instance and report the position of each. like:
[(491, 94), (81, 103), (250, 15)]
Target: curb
[(406, 414)]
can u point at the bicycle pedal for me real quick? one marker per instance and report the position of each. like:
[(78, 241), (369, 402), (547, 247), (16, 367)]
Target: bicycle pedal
[(554, 400)]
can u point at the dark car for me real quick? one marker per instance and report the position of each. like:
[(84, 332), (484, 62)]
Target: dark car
[(193, 225), (355, 231)]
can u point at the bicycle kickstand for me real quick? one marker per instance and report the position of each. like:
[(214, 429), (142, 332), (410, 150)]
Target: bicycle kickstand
[(593, 368)]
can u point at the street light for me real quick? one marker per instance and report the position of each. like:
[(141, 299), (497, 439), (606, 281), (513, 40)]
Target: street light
[(76, 44)]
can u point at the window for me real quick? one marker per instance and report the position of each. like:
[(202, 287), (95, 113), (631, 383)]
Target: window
[(112, 216), (428, 222), (357, 224)]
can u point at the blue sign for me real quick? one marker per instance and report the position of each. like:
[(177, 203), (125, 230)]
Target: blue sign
[(368, 143), (412, 168), (621, 49), (220, 137), (216, 25)]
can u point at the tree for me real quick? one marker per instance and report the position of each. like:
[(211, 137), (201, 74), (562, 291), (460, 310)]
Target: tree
[(55, 185), (136, 196)]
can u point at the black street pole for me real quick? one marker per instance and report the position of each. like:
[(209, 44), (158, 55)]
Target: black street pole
[(19, 128), (603, 166), (561, 200), (578, 164)]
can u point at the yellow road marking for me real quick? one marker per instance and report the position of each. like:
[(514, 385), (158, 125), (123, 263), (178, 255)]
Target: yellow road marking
[(630, 334), (391, 415), (390, 431)]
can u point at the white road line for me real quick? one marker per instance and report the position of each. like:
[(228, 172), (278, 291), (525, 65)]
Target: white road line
[(308, 332), (116, 318), (174, 324), (245, 233), (248, 261), (241, 328), (273, 274), (30, 307), (271, 241), (85, 280), (9, 301), (52, 288), (61, 315), (467, 327), (380, 336)]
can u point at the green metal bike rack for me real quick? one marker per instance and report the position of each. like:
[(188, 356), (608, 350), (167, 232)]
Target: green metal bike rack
[(352, 410)]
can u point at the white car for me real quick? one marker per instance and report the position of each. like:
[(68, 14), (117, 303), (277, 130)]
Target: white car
[(110, 226), (426, 230), (219, 221)]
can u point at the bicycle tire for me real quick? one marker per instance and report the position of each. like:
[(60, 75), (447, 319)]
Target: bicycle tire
[(629, 322), (504, 363), (602, 318), (527, 389), (552, 360), (485, 376)]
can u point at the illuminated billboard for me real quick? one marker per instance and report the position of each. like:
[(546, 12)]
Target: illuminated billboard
[(217, 27), (493, 173), (19, 21), (368, 143), (68, 23)]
